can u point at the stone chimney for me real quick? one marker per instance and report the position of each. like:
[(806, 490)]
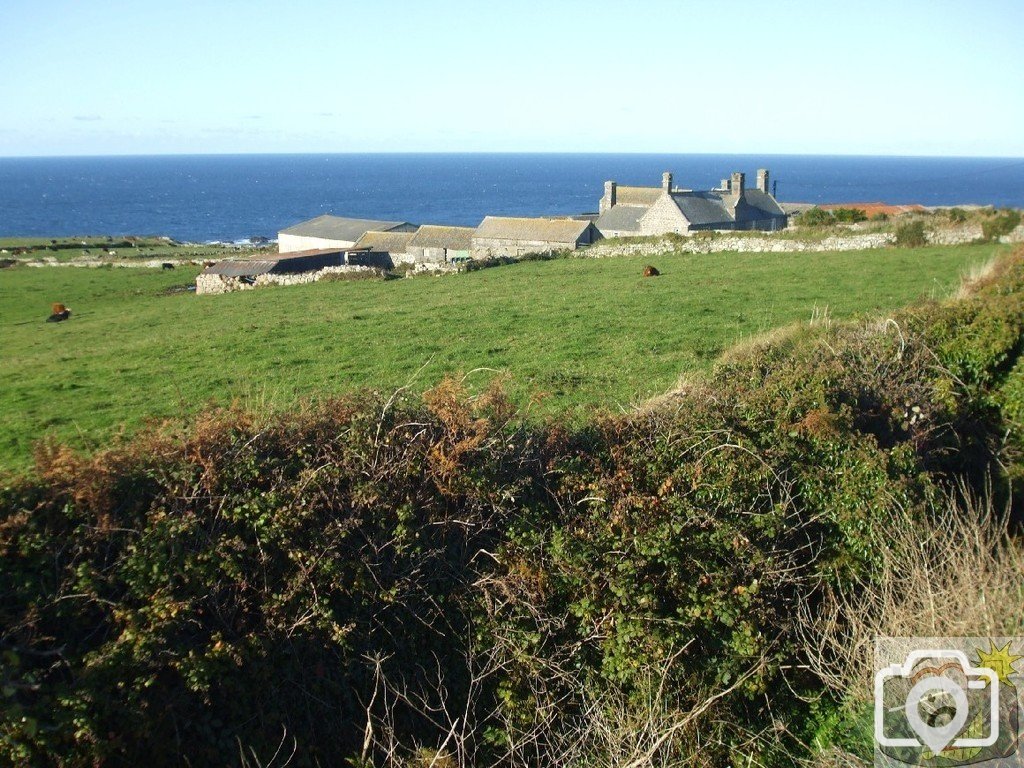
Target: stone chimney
[(610, 189), (666, 182), (724, 185), (762, 180), (736, 186)]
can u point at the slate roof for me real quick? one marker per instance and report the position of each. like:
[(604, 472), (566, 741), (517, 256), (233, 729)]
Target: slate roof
[(452, 238), (386, 242), (300, 261), (703, 208), (544, 230), (763, 202), (621, 218), (338, 228)]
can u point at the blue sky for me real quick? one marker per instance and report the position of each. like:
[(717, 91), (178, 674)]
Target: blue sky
[(932, 77)]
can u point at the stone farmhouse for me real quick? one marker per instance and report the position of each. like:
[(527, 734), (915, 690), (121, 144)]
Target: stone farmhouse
[(502, 236), (634, 211), (328, 231)]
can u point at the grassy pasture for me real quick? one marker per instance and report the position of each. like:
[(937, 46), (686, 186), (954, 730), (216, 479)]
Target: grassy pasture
[(572, 334), (92, 247)]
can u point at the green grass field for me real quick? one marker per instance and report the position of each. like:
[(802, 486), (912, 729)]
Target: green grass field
[(572, 334)]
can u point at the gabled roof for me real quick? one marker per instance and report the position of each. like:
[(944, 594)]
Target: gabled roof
[(452, 238), (621, 218), (331, 227), (763, 202), (545, 230), (637, 195), (703, 208), (387, 242)]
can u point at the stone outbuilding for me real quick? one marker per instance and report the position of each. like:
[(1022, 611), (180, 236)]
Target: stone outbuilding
[(504, 236), (236, 274), (634, 211), (394, 245), (433, 244), (328, 231)]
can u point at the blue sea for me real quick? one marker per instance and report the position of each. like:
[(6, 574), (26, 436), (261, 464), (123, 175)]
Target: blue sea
[(203, 198)]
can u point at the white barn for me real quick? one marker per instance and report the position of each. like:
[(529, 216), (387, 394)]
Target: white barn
[(333, 232)]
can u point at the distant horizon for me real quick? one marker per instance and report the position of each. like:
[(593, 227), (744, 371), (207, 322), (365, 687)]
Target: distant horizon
[(894, 155)]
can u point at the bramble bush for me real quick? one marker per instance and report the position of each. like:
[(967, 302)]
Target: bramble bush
[(393, 581), (815, 217), (849, 215), (911, 235)]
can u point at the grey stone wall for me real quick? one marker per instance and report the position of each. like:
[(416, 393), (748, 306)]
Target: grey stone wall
[(218, 284), (663, 217), (725, 242), (421, 256), (484, 248)]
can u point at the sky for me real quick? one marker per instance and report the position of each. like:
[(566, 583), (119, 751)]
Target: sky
[(902, 77)]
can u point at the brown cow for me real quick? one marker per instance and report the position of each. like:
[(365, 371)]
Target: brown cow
[(59, 314), (650, 271)]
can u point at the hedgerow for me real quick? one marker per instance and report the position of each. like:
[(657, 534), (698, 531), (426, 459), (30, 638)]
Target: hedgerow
[(385, 581)]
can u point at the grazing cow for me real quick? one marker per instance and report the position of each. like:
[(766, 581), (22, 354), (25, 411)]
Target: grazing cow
[(650, 271), (59, 314), (167, 265)]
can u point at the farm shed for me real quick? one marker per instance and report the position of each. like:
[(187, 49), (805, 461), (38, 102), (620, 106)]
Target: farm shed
[(502, 236), (333, 232), (392, 246), (233, 274), (433, 244)]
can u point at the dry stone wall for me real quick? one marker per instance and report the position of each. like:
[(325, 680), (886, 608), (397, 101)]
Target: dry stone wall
[(722, 242), (727, 243), (217, 284)]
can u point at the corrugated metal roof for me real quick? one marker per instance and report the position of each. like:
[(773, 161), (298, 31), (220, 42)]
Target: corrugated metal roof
[(385, 242), (331, 227), (241, 267), (452, 238), (544, 230), (301, 261), (621, 218)]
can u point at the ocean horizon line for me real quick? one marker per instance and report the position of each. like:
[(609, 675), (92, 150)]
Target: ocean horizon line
[(515, 153)]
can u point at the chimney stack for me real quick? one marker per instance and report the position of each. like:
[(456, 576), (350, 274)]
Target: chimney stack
[(737, 184), (666, 181), (610, 190), (762, 180), (725, 185)]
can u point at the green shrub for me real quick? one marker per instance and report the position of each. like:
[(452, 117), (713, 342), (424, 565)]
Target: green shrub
[(880, 216), (911, 235), (815, 217), (849, 215), (957, 215), (1002, 223)]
